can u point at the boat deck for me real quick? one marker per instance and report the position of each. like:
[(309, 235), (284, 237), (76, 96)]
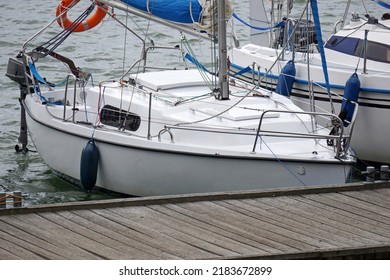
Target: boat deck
[(348, 221)]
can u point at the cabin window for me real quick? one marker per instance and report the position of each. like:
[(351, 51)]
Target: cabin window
[(342, 44), (375, 51), (113, 116), (354, 46)]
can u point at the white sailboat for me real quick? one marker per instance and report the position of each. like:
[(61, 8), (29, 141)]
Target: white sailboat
[(175, 131), (360, 47)]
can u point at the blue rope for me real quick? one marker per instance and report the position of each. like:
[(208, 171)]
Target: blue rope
[(383, 4), (44, 99), (37, 76), (42, 81), (196, 62), (280, 24), (243, 71)]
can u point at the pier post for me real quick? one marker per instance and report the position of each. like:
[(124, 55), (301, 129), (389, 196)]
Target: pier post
[(370, 174), (17, 199), (384, 173), (3, 200)]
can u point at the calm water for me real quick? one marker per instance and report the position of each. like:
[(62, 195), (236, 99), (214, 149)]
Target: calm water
[(99, 52)]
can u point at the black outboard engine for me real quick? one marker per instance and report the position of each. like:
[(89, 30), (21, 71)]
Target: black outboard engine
[(303, 36), (16, 71)]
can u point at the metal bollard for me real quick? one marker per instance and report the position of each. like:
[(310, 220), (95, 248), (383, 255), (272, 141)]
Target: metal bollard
[(370, 174), (3, 200), (17, 199), (384, 173)]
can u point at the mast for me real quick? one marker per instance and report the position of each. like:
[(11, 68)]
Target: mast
[(222, 51)]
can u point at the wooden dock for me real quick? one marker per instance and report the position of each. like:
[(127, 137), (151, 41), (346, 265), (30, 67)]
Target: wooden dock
[(349, 221)]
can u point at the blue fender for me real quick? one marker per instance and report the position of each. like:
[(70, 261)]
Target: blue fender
[(286, 79), (351, 93), (89, 165)]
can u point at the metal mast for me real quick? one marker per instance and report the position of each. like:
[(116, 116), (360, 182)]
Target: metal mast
[(222, 51)]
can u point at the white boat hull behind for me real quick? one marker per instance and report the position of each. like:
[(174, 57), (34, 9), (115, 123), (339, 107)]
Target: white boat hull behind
[(371, 132)]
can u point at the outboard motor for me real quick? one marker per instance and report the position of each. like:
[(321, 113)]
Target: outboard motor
[(16, 71)]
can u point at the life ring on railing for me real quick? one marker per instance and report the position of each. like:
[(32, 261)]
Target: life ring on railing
[(87, 24)]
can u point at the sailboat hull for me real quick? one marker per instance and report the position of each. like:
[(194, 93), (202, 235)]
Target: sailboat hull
[(142, 167)]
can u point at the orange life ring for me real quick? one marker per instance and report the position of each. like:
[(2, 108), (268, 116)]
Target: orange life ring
[(89, 23)]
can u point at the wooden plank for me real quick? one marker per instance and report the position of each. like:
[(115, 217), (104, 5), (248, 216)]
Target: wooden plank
[(356, 233), (385, 196), (26, 242), (184, 231), (93, 242), (354, 219), (380, 212), (371, 197), (286, 209), (157, 235), (6, 255), (382, 191), (205, 231), (305, 216), (200, 218), (32, 224), (129, 237), (340, 204), (285, 222), (347, 224), (107, 236), (265, 230), (12, 251)]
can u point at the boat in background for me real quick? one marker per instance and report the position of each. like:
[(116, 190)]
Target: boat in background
[(360, 50), (171, 131)]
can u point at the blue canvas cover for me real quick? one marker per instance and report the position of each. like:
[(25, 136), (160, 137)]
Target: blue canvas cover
[(173, 10)]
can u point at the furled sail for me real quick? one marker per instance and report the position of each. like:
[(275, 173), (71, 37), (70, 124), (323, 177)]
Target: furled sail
[(182, 11), (198, 14)]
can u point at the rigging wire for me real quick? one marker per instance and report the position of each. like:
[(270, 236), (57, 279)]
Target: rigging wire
[(203, 73), (365, 8), (139, 66), (57, 40), (123, 73), (280, 161)]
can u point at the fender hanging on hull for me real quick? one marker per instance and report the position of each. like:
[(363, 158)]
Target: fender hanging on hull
[(286, 79), (351, 93), (89, 165)]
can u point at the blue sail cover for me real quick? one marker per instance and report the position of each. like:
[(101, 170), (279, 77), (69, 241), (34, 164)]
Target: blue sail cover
[(381, 3), (173, 10), (316, 17)]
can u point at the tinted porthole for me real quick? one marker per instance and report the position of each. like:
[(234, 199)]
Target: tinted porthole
[(113, 116)]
